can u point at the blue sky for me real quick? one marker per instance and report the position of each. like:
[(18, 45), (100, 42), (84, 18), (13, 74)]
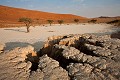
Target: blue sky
[(86, 8)]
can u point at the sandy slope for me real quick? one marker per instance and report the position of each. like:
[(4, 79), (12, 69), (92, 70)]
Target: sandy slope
[(14, 37), (12, 15)]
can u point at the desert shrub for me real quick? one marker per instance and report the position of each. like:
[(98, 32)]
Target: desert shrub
[(60, 21), (50, 22), (92, 21), (27, 21), (76, 21), (114, 21)]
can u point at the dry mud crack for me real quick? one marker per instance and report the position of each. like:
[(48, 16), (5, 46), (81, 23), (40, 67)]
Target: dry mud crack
[(70, 57)]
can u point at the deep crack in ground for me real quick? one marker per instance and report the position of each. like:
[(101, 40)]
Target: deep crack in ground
[(66, 58)]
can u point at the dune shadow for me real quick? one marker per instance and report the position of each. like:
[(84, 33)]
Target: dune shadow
[(18, 30), (12, 45)]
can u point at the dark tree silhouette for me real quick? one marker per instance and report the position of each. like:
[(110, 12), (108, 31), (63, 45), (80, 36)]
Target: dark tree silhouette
[(114, 21), (27, 21), (60, 21), (76, 20), (93, 21), (50, 22)]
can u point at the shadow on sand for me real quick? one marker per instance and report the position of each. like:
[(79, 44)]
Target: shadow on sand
[(18, 30), (11, 45), (116, 35)]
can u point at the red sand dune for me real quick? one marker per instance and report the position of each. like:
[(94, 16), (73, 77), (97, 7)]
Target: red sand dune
[(9, 16), (12, 15)]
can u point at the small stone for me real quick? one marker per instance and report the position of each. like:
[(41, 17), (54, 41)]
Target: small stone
[(21, 65), (28, 66), (84, 58), (2, 46)]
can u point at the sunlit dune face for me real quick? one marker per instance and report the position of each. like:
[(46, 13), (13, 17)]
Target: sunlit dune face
[(11, 15)]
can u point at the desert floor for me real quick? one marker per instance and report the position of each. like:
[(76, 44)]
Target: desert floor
[(17, 37)]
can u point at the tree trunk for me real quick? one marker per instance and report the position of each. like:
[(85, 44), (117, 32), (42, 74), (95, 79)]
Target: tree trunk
[(28, 30), (27, 26)]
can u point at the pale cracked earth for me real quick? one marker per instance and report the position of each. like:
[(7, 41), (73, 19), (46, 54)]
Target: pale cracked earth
[(70, 57)]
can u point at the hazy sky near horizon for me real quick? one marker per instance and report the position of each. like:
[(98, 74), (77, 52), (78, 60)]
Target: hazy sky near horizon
[(86, 8)]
